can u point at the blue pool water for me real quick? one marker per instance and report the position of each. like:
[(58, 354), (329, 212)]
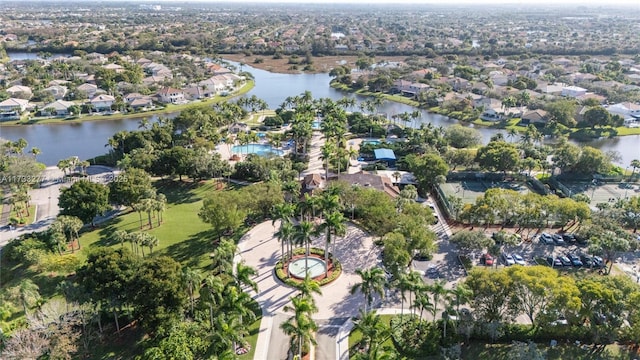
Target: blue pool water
[(260, 149), (371, 142), (315, 125)]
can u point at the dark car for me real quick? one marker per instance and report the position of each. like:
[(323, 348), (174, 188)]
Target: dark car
[(569, 238), (546, 239), (598, 262), (575, 260), (565, 261), (587, 261), (581, 239), (557, 239), (554, 262)]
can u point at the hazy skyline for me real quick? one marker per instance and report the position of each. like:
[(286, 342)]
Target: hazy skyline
[(633, 3)]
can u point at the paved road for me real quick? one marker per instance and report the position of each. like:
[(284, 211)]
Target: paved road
[(45, 198), (279, 341), (316, 165)]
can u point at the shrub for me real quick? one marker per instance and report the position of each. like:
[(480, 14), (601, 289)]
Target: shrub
[(282, 275), (414, 337), (59, 263)]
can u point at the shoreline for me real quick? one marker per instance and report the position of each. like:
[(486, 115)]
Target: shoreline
[(166, 110), (511, 123)]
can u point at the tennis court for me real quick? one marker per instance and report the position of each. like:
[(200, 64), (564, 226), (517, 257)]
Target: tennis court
[(602, 192), (468, 191)]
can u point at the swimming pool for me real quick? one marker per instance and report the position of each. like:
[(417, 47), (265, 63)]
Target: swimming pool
[(260, 149), (315, 125), (370, 142)]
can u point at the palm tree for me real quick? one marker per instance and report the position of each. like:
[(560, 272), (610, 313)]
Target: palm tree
[(191, 279), (301, 325), (438, 291), (326, 151), (308, 287), (149, 241), (160, 205), (512, 133), (334, 224), (285, 235), (283, 212), (243, 276), (422, 302), (35, 152), (227, 332), (460, 295), (29, 293), (212, 294), (634, 164), (373, 281), (372, 329), (302, 235), (120, 236)]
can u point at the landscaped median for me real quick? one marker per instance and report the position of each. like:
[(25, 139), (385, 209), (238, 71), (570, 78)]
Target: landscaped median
[(282, 271)]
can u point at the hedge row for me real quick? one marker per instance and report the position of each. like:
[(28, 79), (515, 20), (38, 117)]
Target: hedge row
[(283, 276)]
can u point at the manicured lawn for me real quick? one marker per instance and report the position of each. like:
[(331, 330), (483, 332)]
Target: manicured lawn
[(28, 218), (182, 235)]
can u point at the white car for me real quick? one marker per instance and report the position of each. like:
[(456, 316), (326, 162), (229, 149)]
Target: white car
[(519, 260), (508, 259)]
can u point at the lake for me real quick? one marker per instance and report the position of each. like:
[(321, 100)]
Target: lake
[(88, 139)]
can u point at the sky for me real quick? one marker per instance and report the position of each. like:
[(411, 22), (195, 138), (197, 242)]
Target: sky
[(633, 3)]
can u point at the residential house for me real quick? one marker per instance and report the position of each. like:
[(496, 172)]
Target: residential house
[(551, 89), (138, 101), (115, 67), (89, 89), (57, 83), (169, 95), (409, 88), (11, 108), (102, 102), (213, 86), (492, 114), (20, 92), (14, 104), (57, 108), (573, 91), (538, 116), (629, 111), (58, 92), (368, 180), (312, 182)]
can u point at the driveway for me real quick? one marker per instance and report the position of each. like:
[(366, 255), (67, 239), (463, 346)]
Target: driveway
[(261, 250)]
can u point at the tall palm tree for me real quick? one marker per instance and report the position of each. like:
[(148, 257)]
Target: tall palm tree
[(160, 205), (303, 234), (212, 294), (191, 279), (283, 212), (243, 276), (634, 164), (285, 235), (326, 152), (423, 302), (373, 281), (227, 332), (301, 325), (460, 295), (438, 292), (372, 329), (334, 224)]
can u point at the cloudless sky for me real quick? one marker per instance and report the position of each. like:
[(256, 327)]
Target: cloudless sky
[(590, 3)]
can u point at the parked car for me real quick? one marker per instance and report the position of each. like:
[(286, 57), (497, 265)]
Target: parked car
[(587, 261), (557, 239), (565, 261), (546, 239), (554, 262), (569, 238), (507, 259), (598, 262), (432, 272), (519, 260), (486, 259), (575, 260)]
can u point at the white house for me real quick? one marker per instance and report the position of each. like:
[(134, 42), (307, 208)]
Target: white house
[(89, 89), (629, 111), (19, 91), (58, 92), (170, 95), (115, 67), (58, 107), (14, 104), (573, 91), (102, 102)]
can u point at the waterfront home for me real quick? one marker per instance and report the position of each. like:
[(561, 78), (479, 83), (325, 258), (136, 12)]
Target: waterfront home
[(58, 92), (89, 89), (102, 102), (14, 105), (169, 95), (538, 116), (57, 108)]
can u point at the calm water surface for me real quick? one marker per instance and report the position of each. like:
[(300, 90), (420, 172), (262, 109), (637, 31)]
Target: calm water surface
[(88, 139)]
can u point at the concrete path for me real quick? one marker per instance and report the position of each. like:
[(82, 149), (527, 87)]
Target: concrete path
[(261, 250), (316, 165)]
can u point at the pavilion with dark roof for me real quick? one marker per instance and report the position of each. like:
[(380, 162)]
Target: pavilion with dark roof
[(386, 155)]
